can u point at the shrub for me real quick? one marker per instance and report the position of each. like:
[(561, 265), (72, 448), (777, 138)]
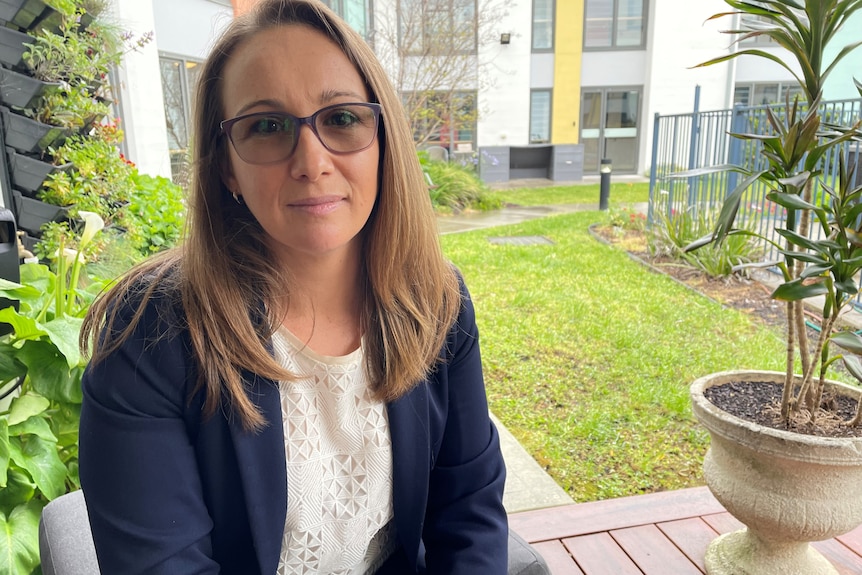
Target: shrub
[(456, 187), (672, 233)]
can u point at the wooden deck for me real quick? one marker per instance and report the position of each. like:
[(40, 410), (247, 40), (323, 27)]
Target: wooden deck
[(658, 534)]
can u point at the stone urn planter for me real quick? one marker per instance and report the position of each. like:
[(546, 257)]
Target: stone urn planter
[(787, 488)]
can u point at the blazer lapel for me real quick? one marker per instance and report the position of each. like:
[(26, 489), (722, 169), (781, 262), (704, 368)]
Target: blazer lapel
[(261, 459), (411, 462)]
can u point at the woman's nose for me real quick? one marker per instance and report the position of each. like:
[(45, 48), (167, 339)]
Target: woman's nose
[(310, 159)]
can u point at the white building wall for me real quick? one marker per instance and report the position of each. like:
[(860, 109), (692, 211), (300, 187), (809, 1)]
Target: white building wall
[(141, 106), (504, 103), (680, 37), (189, 27)]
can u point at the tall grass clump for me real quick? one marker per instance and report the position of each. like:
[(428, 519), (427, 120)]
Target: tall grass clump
[(670, 235), (454, 187)]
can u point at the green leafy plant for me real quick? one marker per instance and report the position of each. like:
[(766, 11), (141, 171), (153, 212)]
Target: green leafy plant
[(671, 234), (455, 187), (822, 246), (40, 371), (156, 213)]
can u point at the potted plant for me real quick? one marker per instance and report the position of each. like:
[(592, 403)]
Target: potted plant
[(795, 474), (40, 393)]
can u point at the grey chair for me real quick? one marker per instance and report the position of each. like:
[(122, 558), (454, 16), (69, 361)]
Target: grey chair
[(66, 542)]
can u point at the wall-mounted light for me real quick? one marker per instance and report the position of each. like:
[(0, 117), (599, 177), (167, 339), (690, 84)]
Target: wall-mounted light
[(505, 38)]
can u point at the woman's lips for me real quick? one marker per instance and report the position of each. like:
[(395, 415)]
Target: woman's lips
[(317, 205)]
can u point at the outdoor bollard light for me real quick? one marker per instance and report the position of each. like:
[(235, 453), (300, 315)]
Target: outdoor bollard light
[(605, 186)]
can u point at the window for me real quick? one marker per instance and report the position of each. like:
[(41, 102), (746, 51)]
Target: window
[(760, 94), (357, 13), (446, 119), (614, 24), (540, 116), (437, 26), (179, 77), (543, 25)]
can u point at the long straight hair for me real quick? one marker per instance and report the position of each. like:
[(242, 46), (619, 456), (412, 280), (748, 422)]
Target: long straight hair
[(223, 274)]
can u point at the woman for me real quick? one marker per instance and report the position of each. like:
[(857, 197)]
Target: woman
[(298, 388)]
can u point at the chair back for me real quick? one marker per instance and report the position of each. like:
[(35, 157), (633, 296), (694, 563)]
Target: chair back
[(65, 540)]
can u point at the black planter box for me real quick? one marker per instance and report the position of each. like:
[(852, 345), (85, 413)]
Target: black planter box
[(31, 214), (13, 46), (29, 136), (22, 13), (21, 90), (29, 173)]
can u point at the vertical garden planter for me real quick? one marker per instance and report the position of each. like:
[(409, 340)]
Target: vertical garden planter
[(21, 90), (22, 13), (29, 136), (13, 44), (33, 213), (28, 173)]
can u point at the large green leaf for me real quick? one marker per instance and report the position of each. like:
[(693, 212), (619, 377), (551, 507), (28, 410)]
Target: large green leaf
[(23, 327), (37, 426), (49, 372), (4, 451), (26, 406), (19, 489), (851, 362), (796, 290), (39, 458), (19, 539), (64, 423), (10, 367), (64, 332), (849, 341)]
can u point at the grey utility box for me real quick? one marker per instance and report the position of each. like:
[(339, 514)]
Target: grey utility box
[(567, 163), (494, 164)]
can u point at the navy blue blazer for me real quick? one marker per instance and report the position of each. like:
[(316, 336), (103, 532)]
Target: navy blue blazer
[(169, 492)]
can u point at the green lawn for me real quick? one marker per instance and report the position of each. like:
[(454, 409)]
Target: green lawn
[(588, 355), (621, 192)]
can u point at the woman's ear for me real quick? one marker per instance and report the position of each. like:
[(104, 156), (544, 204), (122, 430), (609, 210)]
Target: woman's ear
[(228, 178)]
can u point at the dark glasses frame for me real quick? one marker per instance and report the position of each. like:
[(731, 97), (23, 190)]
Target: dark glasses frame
[(226, 127)]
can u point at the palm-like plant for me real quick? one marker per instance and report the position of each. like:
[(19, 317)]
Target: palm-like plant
[(825, 263)]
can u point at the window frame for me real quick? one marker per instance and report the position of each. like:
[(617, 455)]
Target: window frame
[(187, 88), (550, 118), (553, 21), (426, 48), (645, 4)]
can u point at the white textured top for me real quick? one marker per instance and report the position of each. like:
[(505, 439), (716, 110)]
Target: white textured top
[(339, 465)]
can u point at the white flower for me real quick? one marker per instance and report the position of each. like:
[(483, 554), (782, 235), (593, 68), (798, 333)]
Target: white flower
[(93, 224)]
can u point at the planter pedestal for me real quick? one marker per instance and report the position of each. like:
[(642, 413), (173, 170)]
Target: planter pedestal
[(787, 488)]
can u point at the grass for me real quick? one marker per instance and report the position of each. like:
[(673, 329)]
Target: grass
[(588, 355), (621, 192)]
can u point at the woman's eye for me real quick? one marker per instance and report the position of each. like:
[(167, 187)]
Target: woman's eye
[(342, 119), (267, 126)]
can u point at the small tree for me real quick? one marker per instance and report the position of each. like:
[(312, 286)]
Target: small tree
[(431, 49)]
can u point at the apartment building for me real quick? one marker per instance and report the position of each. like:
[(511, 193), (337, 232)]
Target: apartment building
[(584, 75)]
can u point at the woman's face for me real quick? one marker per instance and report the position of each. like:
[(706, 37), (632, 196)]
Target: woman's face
[(315, 202)]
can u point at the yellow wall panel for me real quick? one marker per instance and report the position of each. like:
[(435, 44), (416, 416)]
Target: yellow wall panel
[(568, 50)]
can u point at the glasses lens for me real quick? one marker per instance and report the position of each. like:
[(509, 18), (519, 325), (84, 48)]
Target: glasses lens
[(263, 138), (346, 128)]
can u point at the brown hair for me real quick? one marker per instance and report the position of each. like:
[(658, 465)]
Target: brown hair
[(224, 274)]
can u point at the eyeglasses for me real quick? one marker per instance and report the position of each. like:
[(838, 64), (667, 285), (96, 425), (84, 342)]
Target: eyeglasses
[(270, 137)]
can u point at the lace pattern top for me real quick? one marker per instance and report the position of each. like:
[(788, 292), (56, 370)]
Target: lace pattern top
[(339, 465)]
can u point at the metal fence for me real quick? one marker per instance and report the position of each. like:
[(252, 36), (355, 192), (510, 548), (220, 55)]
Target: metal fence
[(702, 139)]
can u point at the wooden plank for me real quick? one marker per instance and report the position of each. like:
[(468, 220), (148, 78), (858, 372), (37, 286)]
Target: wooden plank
[(597, 516), (853, 540), (653, 552), (691, 536), (599, 554), (845, 561), (558, 558), (723, 522)]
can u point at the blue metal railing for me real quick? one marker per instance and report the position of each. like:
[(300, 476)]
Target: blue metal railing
[(702, 139)]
